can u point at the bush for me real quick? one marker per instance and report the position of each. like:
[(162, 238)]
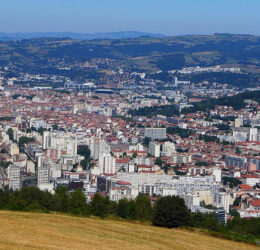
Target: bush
[(61, 199), (77, 202), (206, 221), (99, 206), (143, 207), (171, 211), (122, 208), (126, 209)]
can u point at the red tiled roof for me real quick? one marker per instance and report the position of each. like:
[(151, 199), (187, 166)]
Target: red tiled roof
[(144, 166), (255, 203), (123, 183), (250, 176), (243, 186), (122, 160)]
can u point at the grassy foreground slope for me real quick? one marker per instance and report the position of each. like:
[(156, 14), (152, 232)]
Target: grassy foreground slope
[(51, 231)]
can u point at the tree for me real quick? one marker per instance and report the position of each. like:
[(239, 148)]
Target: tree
[(4, 199), (23, 140), (28, 130), (84, 151), (202, 163), (41, 130), (146, 141), (209, 138), (4, 151), (99, 205), (10, 132), (126, 209), (134, 155), (143, 207), (61, 198), (16, 202), (183, 133), (207, 221), (131, 210), (84, 164), (245, 227), (235, 213), (77, 202), (158, 161), (231, 181), (223, 126), (171, 211), (15, 96), (237, 201), (122, 208), (55, 127), (238, 151), (166, 168), (166, 110), (91, 165), (5, 164)]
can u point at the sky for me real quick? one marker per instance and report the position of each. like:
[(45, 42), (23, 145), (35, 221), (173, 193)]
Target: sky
[(170, 17)]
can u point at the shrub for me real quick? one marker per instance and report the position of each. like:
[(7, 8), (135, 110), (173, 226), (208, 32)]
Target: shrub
[(171, 211)]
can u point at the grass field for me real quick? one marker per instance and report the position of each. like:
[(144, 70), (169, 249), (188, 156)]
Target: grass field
[(51, 231)]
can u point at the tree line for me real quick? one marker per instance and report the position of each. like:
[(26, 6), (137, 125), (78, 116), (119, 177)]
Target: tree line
[(183, 133), (166, 110), (236, 80), (237, 102)]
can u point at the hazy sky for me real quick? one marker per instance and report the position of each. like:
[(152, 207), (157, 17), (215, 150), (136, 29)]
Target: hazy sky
[(172, 17)]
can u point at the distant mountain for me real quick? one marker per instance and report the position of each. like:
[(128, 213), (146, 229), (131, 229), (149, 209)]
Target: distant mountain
[(47, 55), (78, 36)]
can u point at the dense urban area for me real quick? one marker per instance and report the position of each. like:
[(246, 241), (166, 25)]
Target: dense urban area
[(133, 142)]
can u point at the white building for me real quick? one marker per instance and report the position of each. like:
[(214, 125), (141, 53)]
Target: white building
[(36, 123), (154, 149), (98, 146), (181, 158), (60, 141), (221, 200), (251, 180), (253, 135), (43, 175), (129, 193), (107, 164), (168, 148), (137, 179), (217, 173), (192, 200), (155, 133), (14, 176)]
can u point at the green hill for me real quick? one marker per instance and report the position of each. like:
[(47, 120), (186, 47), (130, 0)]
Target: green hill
[(145, 52), (62, 56)]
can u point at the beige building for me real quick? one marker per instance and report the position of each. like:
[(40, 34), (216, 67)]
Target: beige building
[(13, 150)]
